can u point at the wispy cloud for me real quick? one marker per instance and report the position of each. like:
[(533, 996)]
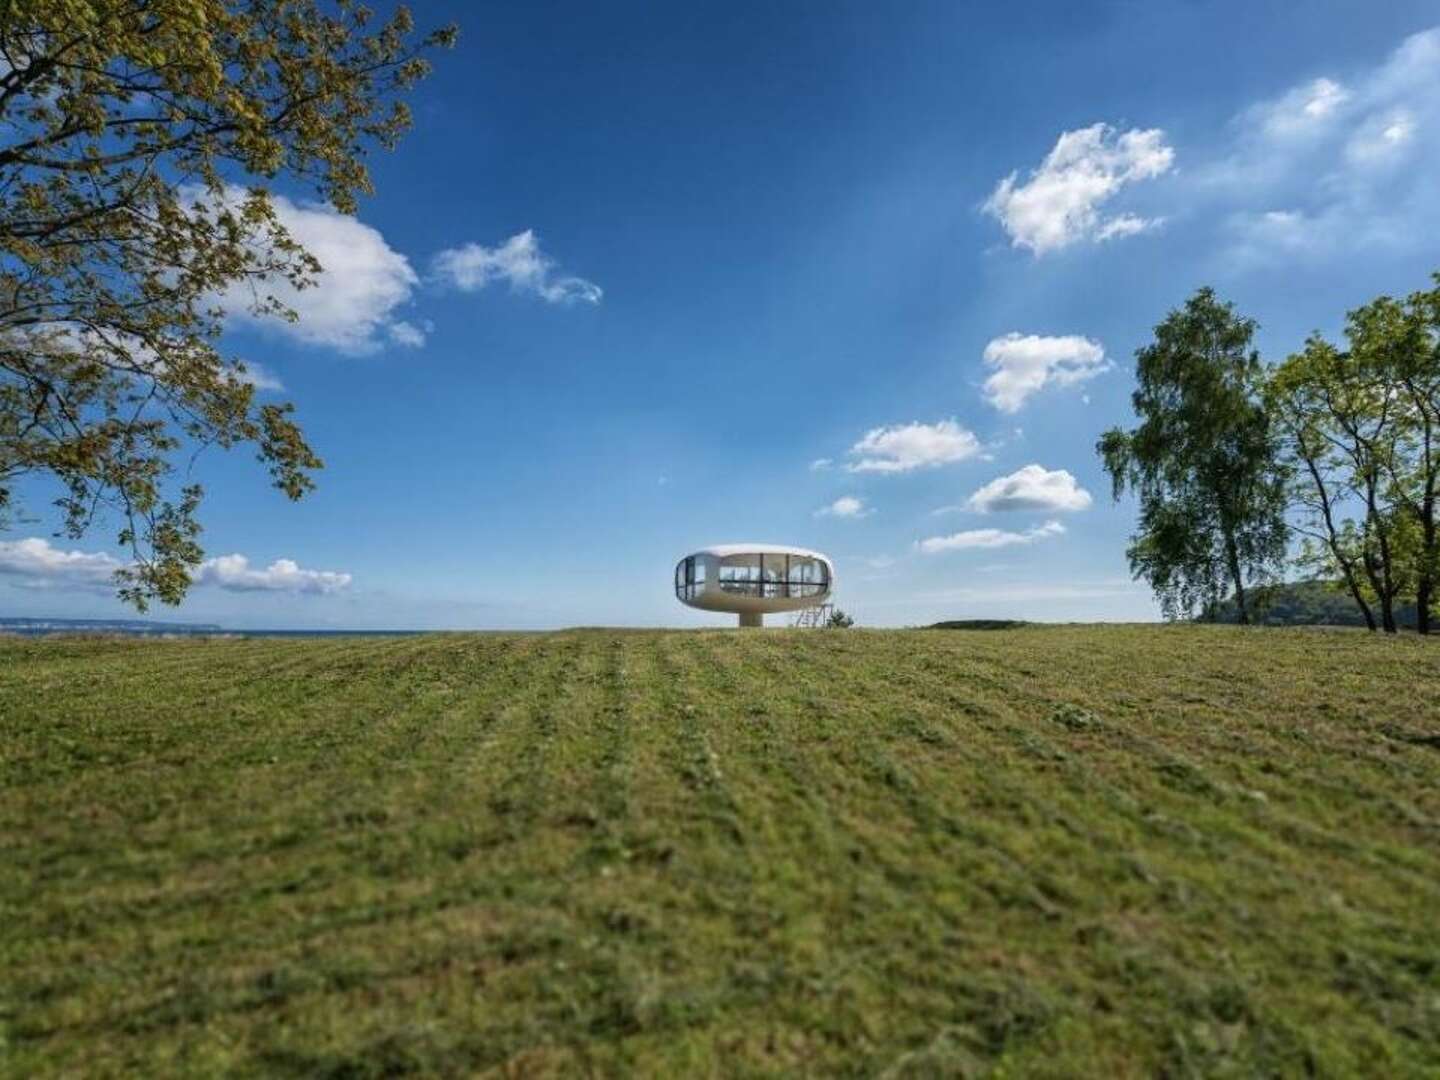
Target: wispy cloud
[(1060, 204), (846, 506), (988, 539), (518, 262), (1330, 167), (259, 377), (1018, 591)]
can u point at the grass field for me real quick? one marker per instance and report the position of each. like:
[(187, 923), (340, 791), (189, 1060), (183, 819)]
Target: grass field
[(1046, 851)]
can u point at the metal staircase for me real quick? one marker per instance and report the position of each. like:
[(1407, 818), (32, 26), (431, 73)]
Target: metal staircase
[(812, 618)]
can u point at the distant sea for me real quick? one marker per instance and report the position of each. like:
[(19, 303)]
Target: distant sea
[(142, 628)]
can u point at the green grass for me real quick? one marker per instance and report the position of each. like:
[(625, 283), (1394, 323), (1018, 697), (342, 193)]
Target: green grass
[(1044, 851)]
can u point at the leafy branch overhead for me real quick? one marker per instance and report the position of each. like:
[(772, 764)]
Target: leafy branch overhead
[(138, 142)]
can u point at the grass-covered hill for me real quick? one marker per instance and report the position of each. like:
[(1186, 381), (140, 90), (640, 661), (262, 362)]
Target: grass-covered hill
[(1191, 850), (1305, 603)]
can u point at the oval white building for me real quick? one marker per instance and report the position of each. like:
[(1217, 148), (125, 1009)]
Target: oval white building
[(753, 579)]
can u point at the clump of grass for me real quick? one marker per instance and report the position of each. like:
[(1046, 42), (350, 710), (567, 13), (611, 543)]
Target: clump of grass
[(1074, 717)]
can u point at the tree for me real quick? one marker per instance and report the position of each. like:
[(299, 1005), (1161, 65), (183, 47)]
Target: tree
[(1304, 396), (128, 126), (1202, 461), (838, 620), (1403, 341), (1363, 427)]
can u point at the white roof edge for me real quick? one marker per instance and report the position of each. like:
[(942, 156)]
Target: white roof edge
[(722, 550)]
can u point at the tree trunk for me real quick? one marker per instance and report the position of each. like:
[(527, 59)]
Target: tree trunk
[(1233, 558), (1332, 535), (1359, 597), (1425, 586), (1379, 584), (1382, 574)]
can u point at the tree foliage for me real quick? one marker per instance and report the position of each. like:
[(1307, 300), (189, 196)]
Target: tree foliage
[(1362, 433), (138, 139), (1202, 461)]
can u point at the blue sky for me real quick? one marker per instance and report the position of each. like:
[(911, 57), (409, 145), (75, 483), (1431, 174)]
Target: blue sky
[(637, 271)]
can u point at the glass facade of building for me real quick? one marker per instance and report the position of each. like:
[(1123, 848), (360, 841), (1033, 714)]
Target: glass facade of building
[(689, 578), (770, 576)]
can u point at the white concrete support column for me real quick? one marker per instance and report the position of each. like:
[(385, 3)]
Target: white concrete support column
[(751, 618)]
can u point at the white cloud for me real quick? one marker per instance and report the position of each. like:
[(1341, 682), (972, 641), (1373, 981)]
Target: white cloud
[(987, 539), (1380, 140), (259, 377), (35, 562), (518, 261), (1014, 591), (1031, 488), (1337, 168), (1060, 203), (1303, 110), (820, 464), (126, 349), (352, 305), (234, 572), (406, 333), (1024, 363), (847, 506), (912, 446)]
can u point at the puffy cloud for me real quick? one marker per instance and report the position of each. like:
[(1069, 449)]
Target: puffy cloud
[(847, 506), (1060, 203), (518, 261), (234, 572), (987, 539), (1024, 363), (1032, 488), (35, 563), (352, 305), (820, 464), (912, 446)]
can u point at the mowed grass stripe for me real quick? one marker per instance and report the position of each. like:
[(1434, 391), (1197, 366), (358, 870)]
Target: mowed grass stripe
[(1053, 851), (296, 891)]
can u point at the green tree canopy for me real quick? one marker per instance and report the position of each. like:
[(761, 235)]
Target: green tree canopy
[(1202, 461), (1362, 427), (129, 126)]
